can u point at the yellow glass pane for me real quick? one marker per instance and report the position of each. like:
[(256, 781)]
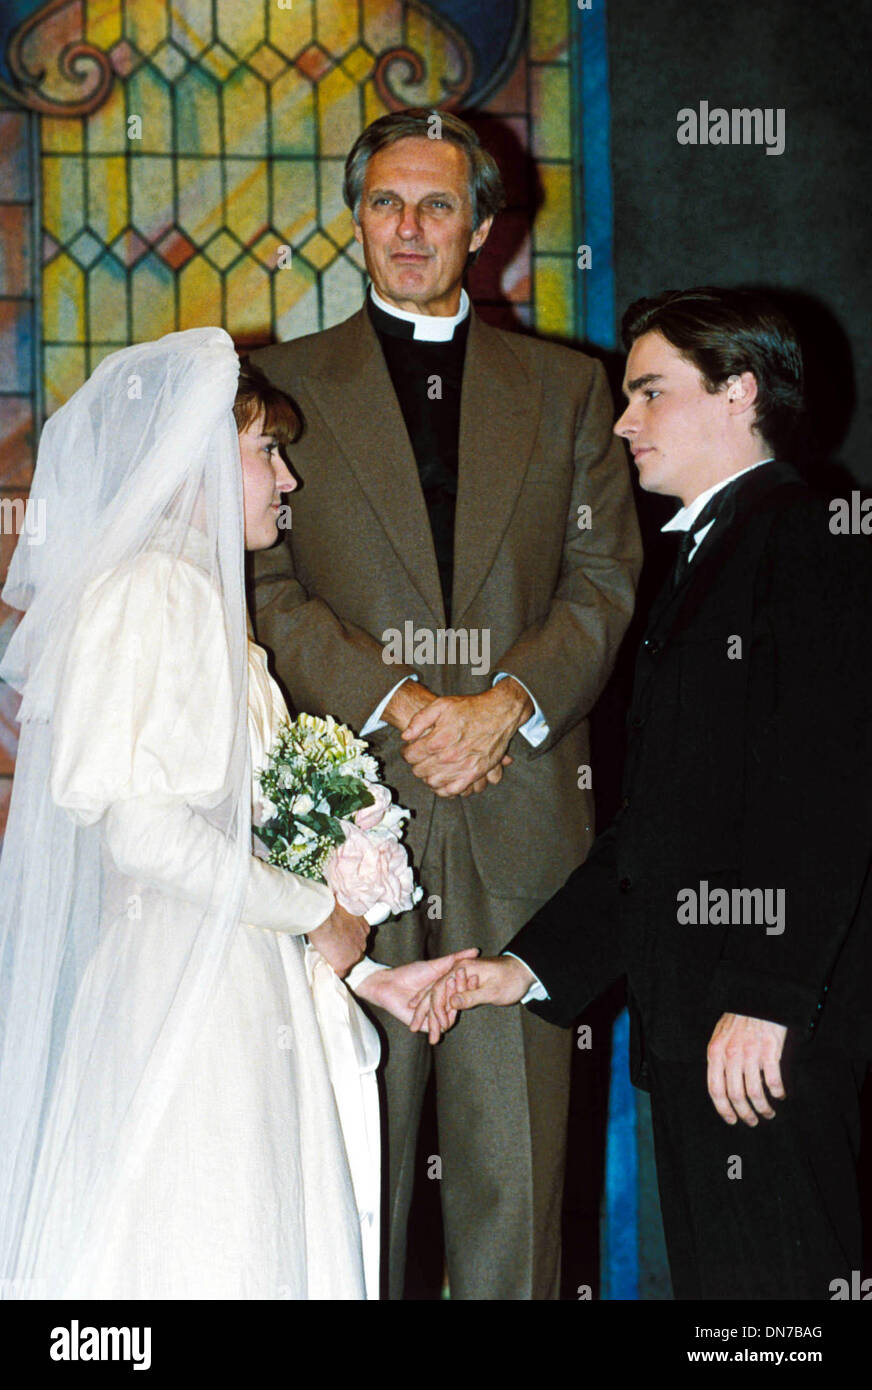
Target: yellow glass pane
[(107, 126), (199, 198), (151, 182), (246, 198), (373, 106), (191, 25), (359, 64), (549, 91), (107, 195), (292, 101), (245, 127), (63, 208), (296, 300), (549, 30), (289, 26), (318, 250), (198, 127), (152, 299), (335, 216), (146, 25), (339, 109), (199, 294), (148, 97), (441, 59), (97, 352), (554, 279), (65, 370), (63, 301), (293, 200), (107, 302), (383, 24), (552, 230), (241, 27), (63, 136), (103, 22), (248, 300), (337, 27), (341, 290)]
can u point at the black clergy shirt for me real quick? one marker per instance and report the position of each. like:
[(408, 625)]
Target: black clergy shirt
[(427, 377)]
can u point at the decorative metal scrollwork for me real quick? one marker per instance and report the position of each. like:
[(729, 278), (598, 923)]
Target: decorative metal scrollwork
[(80, 65)]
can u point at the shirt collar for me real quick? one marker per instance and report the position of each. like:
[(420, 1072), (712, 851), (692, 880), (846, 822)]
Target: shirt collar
[(430, 328), (686, 516)]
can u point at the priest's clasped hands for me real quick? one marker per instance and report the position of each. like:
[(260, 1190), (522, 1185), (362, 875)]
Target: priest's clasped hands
[(457, 743)]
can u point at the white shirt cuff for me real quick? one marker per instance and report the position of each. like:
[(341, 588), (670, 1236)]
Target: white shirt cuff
[(375, 720), (536, 991), (536, 729), (362, 971)]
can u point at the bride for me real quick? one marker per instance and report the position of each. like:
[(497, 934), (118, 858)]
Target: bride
[(188, 1105)]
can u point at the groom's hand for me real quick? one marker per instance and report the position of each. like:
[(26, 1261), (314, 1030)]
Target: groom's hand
[(458, 742), (394, 990), (341, 939), (742, 1053), (491, 980)]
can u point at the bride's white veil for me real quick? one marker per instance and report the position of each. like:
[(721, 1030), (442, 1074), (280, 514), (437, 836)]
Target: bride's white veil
[(138, 489)]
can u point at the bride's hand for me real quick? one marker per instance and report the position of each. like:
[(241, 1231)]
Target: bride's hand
[(433, 1011), (341, 939), (394, 990)]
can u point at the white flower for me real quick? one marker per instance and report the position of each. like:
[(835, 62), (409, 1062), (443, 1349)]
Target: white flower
[(302, 805), (393, 819)]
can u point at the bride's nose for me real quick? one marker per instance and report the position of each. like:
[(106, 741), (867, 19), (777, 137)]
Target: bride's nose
[(285, 480)]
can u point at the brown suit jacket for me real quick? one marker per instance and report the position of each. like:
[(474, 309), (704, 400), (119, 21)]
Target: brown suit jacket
[(535, 445)]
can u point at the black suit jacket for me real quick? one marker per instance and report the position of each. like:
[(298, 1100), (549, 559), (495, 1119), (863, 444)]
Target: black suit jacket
[(749, 765)]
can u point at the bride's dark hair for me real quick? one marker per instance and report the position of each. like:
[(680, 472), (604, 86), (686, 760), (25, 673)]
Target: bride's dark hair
[(256, 393)]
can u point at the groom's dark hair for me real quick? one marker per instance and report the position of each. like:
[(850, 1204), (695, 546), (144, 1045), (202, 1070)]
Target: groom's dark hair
[(255, 395), (725, 332)]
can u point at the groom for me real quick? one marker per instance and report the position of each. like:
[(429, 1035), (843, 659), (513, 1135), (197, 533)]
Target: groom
[(460, 572), (734, 888)]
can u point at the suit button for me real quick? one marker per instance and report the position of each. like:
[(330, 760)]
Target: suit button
[(637, 721), (653, 647), (625, 803), (625, 885)]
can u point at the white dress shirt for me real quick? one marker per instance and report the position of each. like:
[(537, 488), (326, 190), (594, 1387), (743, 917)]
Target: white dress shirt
[(686, 516)]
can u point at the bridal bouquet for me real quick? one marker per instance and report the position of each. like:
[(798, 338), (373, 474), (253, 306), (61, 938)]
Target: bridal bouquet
[(328, 817)]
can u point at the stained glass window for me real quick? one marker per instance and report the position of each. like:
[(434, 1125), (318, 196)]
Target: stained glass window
[(187, 168)]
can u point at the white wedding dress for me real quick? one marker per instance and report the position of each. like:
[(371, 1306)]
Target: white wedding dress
[(260, 1175)]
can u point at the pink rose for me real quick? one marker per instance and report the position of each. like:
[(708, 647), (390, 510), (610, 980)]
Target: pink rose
[(369, 868), (368, 816)]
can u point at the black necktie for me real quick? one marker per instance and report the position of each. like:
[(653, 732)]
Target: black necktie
[(710, 512)]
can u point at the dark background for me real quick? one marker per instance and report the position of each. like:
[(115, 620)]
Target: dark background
[(799, 221)]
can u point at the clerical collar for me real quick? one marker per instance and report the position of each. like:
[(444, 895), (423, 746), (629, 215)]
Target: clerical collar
[(428, 328)]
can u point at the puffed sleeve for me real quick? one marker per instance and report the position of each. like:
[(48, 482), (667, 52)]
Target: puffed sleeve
[(143, 733)]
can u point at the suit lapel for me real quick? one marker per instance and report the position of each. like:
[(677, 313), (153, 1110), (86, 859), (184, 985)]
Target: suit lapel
[(673, 607), (499, 416), (363, 414)]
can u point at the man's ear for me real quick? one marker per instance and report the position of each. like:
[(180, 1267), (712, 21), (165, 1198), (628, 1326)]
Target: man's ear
[(358, 234), (480, 235), (742, 392)]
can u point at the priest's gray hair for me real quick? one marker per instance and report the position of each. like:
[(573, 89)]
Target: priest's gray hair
[(486, 192)]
